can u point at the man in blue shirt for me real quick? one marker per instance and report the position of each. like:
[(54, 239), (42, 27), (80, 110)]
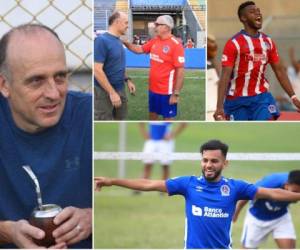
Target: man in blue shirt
[(266, 216), (48, 128), (109, 69), (209, 199)]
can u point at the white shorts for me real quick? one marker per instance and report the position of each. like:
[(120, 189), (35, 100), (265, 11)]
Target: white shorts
[(256, 231), (159, 146)]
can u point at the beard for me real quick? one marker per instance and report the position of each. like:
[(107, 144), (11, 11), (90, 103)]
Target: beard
[(213, 177)]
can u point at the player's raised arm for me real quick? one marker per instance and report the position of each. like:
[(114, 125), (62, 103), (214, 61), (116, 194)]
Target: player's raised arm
[(136, 184), (222, 86), (277, 194)]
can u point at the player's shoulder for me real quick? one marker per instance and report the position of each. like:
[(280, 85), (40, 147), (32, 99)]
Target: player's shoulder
[(76, 98), (236, 36), (175, 41), (273, 180), (235, 182)]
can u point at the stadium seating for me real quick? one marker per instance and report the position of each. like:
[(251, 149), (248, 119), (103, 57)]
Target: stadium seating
[(157, 4), (199, 8), (122, 5), (103, 9)]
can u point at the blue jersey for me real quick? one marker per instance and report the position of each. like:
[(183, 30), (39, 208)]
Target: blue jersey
[(61, 158), (108, 49), (209, 207), (260, 107), (158, 130), (264, 209)]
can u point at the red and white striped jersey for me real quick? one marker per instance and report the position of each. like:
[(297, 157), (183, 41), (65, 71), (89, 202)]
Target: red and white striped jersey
[(165, 56), (249, 56)]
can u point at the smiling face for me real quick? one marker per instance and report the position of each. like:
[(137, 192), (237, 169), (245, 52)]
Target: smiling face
[(36, 91), (252, 17), (213, 162)]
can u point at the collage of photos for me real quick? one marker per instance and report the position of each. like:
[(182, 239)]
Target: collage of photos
[(149, 124)]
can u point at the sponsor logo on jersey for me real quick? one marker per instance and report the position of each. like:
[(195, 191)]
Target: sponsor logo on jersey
[(156, 58), (225, 190), (166, 49), (272, 208), (181, 59), (209, 212), (256, 58), (199, 188)]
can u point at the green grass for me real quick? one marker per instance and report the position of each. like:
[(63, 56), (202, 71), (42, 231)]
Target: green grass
[(123, 220), (192, 97)]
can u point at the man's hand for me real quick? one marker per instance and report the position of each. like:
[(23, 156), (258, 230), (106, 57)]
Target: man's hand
[(219, 115), (296, 102), (131, 87), (22, 234), (75, 224), (173, 99), (115, 99), (100, 182)]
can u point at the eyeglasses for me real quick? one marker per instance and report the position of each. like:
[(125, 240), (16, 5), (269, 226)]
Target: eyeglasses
[(158, 24)]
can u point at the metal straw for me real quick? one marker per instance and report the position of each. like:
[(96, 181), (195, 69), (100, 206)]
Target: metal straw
[(37, 186)]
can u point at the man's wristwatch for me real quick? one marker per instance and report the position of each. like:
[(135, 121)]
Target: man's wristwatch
[(176, 93), (126, 79)]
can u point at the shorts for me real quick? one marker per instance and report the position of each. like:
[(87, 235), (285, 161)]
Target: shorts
[(256, 231), (103, 108), (159, 146), (261, 107), (159, 104)]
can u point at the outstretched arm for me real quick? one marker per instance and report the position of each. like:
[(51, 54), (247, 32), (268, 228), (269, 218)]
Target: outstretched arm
[(133, 47), (277, 194), (238, 209), (136, 184)]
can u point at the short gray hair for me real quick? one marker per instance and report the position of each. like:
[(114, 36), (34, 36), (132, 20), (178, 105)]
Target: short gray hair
[(168, 20)]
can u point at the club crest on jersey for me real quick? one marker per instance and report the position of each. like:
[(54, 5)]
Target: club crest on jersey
[(166, 49), (272, 108), (225, 190), (268, 47)]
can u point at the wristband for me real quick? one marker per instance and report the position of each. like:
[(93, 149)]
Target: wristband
[(127, 78), (293, 97)]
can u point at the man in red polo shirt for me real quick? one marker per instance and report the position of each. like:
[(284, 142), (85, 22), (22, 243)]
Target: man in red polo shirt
[(166, 69)]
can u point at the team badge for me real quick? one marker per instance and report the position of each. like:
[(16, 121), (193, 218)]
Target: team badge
[(268, 47), (166, 49), (225, 190), (272, 108)]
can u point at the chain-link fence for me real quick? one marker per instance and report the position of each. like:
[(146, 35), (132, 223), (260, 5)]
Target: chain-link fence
[(71, 20)]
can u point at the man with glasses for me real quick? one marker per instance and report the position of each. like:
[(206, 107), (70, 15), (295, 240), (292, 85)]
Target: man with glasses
[(166, 69)]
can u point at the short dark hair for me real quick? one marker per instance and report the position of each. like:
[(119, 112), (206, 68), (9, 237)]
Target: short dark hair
[(115, 15), (215, 145), (294, 177), (6, 38), (243, 6)]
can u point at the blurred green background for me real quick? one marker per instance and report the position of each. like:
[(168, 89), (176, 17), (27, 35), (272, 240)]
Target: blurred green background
[(150, 220)]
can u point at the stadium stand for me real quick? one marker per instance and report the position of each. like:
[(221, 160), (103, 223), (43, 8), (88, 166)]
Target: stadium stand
[(102, 10)]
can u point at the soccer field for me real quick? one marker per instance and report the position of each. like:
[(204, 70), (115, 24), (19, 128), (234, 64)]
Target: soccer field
[(124, 220), (192, 97)]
